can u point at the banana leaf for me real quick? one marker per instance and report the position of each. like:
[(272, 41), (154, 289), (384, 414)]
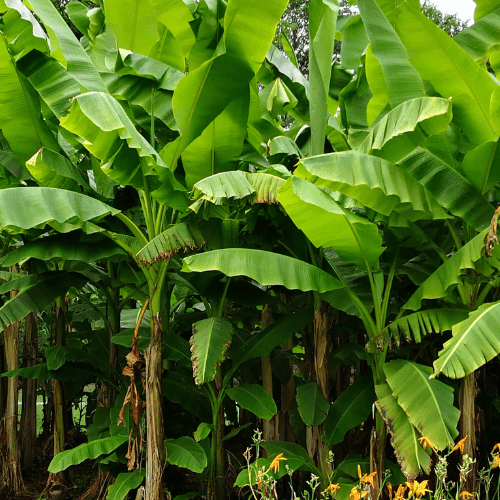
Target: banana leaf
[(404, 437), (475, 341), (400, 78), (375, 182), (177, 238), (209, 342), (64, 246), (452, 72), (421, 323), (428, 403), (437, 284), (322, 21), (449, 187), (327, 224), (405, 127), (137, 31), (187, 453), (124, 482), (349, 410), (68, 51), (39, 294), (267, 268), (254, 398), (86, 451), (48, 205)]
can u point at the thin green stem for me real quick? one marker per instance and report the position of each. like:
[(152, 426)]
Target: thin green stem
[(387, 291), (454, 234), (133, 229), (484, 292), (223, 299)]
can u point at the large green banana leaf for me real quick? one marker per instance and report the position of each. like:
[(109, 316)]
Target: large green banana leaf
[(66, 48), (124, 482), (47, 205), (483, 8), (111, 136), (249, 26), (186, 452), (475, 341), (254, 398), (267, 268), (176, 16), (437, 284), (177, 238), (389, 8), (327, 224), (452, 72), (449, 187), (66, 247), (209, 342), (400, 78), (137, 91), (415, 325), (39, 295), (51, 80), (217, 148), (349, 410), (480, 165), (137, 31), (405, 127), (354, 42), (20, 118), (50, 169), (428, 403), (263, 342), (376, 183), (480, 38), (260, 187), (404, 437), (312, 406), (85, 451), (322, 21)]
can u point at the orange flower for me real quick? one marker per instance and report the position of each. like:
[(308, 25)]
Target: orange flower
[(389, 488), (367, 478), (275, 464), (460, 446), (332, 488), (259, 479), (496, 462), (465, 494), (356, 495), (421, 489), (425, 442), (496, 447), (400, 493)]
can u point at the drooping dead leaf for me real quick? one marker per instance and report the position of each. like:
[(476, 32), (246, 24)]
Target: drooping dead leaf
[(491, 238)]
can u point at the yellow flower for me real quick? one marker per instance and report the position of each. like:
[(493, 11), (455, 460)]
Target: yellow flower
[(275, 464), (496, 462), (332, 488), (356, 495), (425, 442), (496, 447), (460, 446), (465, 494), (367, 478), (259, 479)]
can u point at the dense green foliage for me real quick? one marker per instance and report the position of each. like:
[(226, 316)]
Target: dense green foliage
[(210, 269)]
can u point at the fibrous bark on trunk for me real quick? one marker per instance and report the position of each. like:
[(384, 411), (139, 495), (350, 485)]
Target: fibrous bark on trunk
[(28, 413), (11, 477), (154, 415), (468, 426)]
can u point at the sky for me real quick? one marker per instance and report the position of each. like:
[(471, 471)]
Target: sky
[(464, 8)]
